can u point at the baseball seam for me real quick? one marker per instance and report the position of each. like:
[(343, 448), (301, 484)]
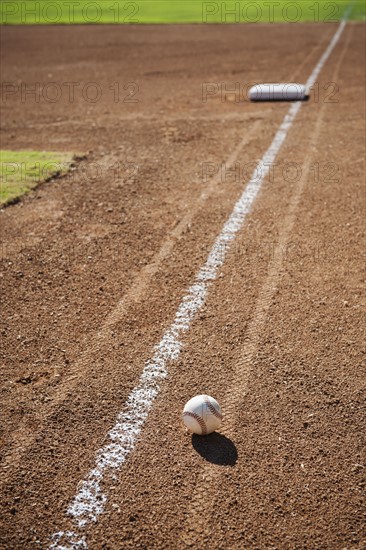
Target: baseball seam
[(212, 408), (200, 421)]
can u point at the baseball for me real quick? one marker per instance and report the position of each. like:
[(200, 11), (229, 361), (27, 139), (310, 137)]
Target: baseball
[(202, 415)]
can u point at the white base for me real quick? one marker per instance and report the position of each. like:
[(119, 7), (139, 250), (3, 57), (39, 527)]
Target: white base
[(277, 92)]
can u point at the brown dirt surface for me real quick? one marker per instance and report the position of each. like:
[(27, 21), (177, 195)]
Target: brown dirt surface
[(94, 266)]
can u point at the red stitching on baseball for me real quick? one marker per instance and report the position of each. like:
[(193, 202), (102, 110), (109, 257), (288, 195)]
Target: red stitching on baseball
[(200, 421), (212, 408)]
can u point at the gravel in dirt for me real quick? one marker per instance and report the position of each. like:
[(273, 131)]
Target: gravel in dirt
[(94, 266)]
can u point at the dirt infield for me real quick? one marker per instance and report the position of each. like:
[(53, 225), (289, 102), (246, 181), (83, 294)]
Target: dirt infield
[(94, 267)]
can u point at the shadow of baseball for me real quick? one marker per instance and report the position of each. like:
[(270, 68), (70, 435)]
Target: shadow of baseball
[(215, 448)]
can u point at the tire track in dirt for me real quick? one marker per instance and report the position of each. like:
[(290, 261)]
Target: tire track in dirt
[(198, 515), (22, 439), (89, 502), (325, 40), (109, 340)]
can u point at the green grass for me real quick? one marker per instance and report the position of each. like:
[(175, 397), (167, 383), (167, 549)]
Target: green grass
[(21, 171), (175, 11)]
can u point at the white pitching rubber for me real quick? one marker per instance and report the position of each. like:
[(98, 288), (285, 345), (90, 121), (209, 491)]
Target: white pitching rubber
[(277, 92)]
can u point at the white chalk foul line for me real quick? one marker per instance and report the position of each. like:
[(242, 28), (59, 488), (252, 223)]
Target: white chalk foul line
[(90, 499)]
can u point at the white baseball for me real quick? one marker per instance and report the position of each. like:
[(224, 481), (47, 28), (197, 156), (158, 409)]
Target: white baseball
[(202, 415)]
